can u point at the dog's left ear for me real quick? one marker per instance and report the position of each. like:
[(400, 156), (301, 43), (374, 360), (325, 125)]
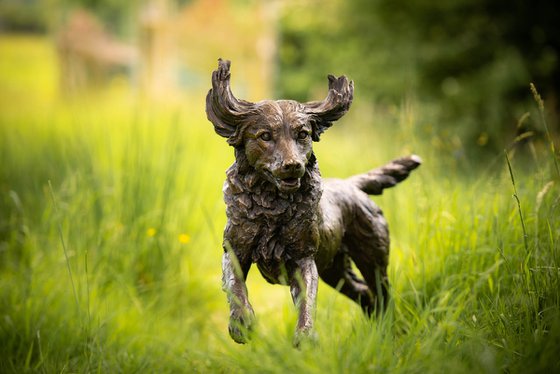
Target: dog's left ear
[(226, 112), (336, 104)]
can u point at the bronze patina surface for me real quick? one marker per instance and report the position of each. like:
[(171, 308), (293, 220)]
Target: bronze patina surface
[(282, 216)]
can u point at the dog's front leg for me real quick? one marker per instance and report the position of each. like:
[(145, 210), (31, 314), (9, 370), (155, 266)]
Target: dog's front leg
[(233, 283), (303, 288)]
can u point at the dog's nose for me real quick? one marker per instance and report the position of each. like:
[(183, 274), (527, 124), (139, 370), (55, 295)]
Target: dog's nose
[(292, 166)]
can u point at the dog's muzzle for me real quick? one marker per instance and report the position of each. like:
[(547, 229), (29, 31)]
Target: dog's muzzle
[(288, 177), (288, 184)]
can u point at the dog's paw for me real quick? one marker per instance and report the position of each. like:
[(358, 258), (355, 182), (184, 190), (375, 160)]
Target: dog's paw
[(241, 326), (305, 337)]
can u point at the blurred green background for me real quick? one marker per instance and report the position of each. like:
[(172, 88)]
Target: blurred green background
[(111, 212), (469, 60)]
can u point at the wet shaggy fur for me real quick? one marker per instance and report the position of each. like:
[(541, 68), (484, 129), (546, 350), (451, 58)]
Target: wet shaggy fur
[(282, 216)]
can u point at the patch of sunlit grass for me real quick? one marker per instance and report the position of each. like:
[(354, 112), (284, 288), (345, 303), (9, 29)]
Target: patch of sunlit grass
[(139, 210)]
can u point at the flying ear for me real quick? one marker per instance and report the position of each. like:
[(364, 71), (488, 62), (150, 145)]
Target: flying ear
[(334, 106), (222, 108)]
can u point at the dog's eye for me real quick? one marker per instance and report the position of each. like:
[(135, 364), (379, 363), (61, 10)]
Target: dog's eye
[(266, 136), (303, 135)]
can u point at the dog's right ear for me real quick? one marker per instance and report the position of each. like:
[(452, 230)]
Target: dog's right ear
[(222, 108), (335, 105)]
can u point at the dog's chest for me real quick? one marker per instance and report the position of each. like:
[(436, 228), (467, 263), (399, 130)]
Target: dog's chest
[(274, 230)]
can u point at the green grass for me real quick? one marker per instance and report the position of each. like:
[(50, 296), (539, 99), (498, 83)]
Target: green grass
[(110, 245)]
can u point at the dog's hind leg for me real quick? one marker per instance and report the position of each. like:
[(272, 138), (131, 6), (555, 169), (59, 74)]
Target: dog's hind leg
[(367, 240), (341, 277)]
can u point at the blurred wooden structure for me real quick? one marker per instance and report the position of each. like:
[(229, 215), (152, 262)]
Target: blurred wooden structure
[(88, 55), (174, 48), (157, 49), (247, 34)]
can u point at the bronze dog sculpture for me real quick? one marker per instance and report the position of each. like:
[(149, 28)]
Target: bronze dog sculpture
[(282, 216)]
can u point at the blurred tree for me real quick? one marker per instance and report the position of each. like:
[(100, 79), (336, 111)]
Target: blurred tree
[(475, 57), (27, 15), (118, 14), (41, 15)]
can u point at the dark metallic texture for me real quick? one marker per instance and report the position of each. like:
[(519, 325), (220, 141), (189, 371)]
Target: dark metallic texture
[(285, 218)]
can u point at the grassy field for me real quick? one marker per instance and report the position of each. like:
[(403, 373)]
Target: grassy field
[(110, 244)]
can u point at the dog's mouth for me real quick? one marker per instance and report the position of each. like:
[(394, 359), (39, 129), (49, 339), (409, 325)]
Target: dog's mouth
[(286, 183), (289, 184)]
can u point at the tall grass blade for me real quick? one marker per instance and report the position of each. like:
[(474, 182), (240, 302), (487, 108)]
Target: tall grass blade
[(540, 104), (76, 299), (87, 288), (516, 197), (41, 358)]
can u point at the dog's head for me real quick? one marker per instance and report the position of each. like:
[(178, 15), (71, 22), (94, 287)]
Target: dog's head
[(276, 136)]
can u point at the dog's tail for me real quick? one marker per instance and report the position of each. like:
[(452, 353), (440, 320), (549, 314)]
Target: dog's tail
[(376, 180)]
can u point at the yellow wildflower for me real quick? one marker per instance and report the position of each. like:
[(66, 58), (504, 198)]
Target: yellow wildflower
[(151, 232), (184, 238)]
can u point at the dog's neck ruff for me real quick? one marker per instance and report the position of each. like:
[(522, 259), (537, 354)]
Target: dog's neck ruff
[(281, 218)]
